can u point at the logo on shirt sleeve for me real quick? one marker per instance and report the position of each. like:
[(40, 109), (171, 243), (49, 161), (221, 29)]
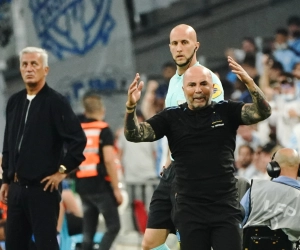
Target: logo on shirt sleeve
[(217, 91)]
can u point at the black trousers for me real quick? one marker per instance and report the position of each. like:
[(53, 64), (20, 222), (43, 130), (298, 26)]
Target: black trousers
[(202, 226), (93, 205), (31, 211)]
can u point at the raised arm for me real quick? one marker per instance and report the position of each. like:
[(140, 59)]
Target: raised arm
[(133, 130), (258, 110)]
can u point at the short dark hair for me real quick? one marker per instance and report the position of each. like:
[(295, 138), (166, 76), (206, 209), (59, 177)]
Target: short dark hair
[(277, 65), (295, 65), (250, 40), (169, 65), (246, 146), (92, 101), (269, 147), (250, 59), (282, 31), (293, 20)]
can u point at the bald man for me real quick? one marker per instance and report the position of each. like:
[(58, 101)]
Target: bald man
[(183, 47), (276, 204), (201, 135)]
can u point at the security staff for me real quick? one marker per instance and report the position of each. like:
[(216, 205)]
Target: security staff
[(96, 178)]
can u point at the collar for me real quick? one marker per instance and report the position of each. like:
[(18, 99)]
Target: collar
[(287, 180), (177, 75), (203, 112)]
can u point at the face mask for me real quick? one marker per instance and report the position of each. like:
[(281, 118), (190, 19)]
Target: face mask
[(280, 46), (296, 34), (288, 97)]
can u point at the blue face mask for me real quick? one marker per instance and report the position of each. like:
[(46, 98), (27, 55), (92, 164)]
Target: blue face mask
[(288, 97)]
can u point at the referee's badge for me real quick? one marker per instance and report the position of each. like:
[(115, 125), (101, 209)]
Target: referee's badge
[(217, 91)]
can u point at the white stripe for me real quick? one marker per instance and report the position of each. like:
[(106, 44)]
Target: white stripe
[(91, 150), (88, 167), (90, 132)]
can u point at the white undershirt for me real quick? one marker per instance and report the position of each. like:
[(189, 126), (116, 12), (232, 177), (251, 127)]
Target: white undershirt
[(29, 98)]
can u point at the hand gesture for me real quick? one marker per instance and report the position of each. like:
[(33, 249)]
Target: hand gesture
[(118, 196), (134, 91), (239, 71), (292, 113), (52, 181), (4, 192)]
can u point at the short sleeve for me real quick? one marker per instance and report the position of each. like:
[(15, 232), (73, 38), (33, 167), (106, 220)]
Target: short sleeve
[(106, 137), (235, 112), (159, 124)]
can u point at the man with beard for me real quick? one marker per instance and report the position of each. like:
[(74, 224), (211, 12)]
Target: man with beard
[(245, 164), (183, 46), (201, 135)]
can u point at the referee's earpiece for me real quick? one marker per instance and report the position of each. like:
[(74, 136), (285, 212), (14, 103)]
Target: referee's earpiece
[(273, 167)]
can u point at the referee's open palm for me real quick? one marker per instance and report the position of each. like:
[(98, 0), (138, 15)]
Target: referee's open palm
[(134, 91)]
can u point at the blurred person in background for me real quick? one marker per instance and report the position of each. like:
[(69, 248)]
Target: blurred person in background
[(296, 75), (138, 160), (268, 81), (246, 135), (168, 71), (293, 24), (70, 216), (245, 163), (148, 107), (287, 111), (139, 164), (152, 102), (97, 179), (281, 92), (282, 53), (248, 46), (263, 156), (241, 93), (295, 138), (228, 88), (3, 214)]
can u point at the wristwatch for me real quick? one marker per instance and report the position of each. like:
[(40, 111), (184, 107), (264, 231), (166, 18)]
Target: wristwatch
[(62, 169)]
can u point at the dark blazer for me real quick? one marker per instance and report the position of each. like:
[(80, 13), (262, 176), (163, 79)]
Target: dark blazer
[(35, 150)]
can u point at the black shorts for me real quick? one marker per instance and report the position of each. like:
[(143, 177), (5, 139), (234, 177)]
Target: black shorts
[(163, 199)]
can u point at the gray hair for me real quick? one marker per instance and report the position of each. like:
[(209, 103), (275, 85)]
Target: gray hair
[(43, 53)]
